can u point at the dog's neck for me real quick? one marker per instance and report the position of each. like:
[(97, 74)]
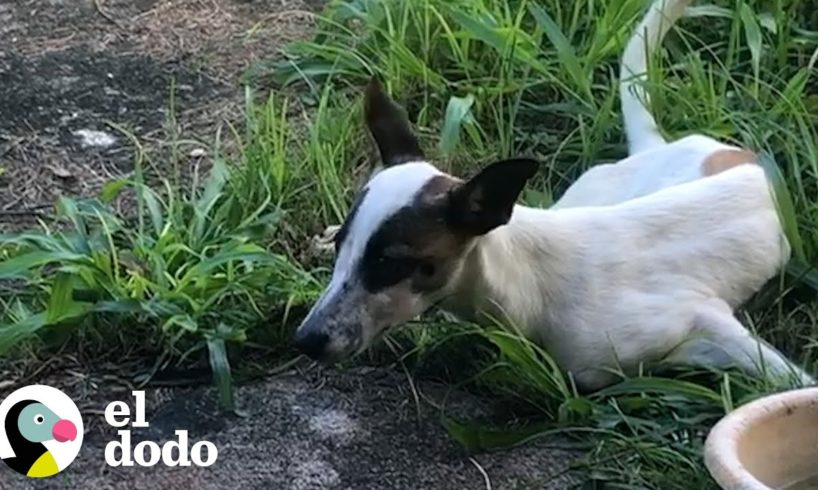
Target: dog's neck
[(518, 273)]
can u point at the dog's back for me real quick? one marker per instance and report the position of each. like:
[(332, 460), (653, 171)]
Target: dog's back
[(721, 234), (654, 164)]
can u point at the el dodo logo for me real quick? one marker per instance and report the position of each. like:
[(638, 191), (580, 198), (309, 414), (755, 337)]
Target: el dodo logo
[(149, 453), (40, 431), (41, 434)]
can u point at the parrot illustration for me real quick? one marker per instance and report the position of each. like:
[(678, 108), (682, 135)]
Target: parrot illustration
[(28, 425)]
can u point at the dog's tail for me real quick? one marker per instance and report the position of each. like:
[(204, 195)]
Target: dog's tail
[(640, 126)]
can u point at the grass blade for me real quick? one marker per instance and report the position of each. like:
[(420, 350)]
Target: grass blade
[(752, 32), (784, 204), (61, 303), (20, 266), (457, 114), (476, 437), (13, 333), (565, 51), (220, 366)]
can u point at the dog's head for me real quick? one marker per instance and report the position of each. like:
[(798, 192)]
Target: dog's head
[(403, 245)]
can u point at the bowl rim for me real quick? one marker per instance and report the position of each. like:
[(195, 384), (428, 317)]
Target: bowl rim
[(721, 446)]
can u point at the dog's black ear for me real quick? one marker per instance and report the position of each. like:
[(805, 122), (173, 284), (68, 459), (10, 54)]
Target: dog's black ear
[(486, 201), (390, 127)]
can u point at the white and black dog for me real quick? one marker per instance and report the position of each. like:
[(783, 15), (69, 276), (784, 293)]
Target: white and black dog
[(641, 261)]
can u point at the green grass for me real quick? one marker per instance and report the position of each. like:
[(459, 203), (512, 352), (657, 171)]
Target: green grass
[(203, 266), (186, 273)]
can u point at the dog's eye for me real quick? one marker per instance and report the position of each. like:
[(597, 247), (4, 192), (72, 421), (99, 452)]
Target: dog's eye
[(397, 266), (386, 271), (427, 269)]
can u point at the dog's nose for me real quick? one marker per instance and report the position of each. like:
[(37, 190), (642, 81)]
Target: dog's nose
[(311, 343)]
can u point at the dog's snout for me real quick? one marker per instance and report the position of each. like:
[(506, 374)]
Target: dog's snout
[(313, 344)]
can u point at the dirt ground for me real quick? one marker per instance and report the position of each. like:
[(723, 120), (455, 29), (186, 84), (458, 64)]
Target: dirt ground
[(309, 429), (79, 78)]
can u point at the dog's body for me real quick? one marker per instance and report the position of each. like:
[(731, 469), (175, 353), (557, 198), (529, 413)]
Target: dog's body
[(642, 261), (614, 286)]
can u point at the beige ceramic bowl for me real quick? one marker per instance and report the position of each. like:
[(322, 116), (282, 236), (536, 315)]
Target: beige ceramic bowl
[(771, 443)]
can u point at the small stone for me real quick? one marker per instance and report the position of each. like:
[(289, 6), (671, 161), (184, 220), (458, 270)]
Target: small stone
[(60, 171), (333, 423), (92, 137)]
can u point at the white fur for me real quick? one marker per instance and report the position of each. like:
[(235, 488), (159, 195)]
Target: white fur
[(643, 173), (640, 126), (612, 287)]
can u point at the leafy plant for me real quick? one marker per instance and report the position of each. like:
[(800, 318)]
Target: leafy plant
[(189, 269)]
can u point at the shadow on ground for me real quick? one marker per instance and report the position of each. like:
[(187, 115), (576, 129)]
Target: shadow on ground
[(324, 429)]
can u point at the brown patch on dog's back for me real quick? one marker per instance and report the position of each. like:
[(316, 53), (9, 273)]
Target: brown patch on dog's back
[(722, 160)]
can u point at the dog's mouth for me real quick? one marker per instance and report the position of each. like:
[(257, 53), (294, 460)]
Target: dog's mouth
[(378, 337), (340, 350)]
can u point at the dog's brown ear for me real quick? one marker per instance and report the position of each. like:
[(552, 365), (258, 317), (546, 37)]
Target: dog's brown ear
[(486, 201), (390, 127)]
